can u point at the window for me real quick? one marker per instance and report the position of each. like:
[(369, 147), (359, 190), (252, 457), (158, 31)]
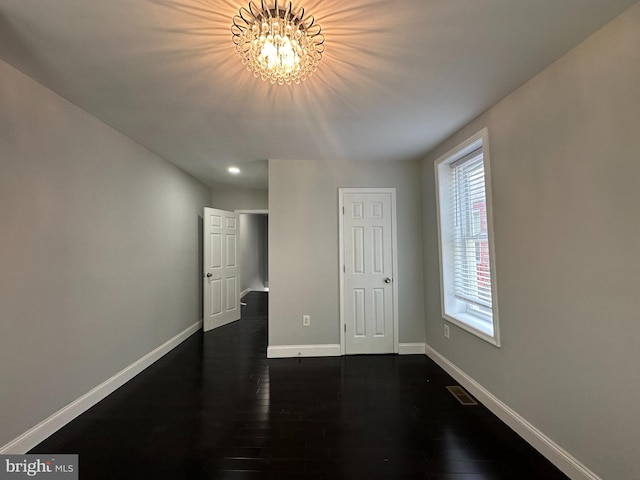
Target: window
[(466, 243)]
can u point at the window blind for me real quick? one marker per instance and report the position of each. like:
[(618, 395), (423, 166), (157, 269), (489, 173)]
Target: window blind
[(471, 265)]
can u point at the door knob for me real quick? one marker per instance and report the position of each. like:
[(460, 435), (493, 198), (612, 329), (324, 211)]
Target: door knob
[(387, 280), (209, 275)]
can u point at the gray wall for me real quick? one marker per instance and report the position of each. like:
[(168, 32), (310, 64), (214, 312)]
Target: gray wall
[(303, 246), (99, 252), (253, 251), (566, 190), (240, 199)]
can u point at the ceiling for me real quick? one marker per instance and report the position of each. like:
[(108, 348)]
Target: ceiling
[(397, 77)]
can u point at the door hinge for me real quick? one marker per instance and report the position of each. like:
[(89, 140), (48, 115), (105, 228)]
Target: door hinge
[(343, 210), (345, 328), (344, 269)]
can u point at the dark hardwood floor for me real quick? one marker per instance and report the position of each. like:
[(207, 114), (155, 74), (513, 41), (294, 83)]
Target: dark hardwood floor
[(216, 408)]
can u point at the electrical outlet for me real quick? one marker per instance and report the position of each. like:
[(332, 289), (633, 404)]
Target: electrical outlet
[(446, 331), (306, 320)]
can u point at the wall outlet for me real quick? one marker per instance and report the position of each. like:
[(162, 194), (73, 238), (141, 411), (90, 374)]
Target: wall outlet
[(447, 333), (306, 320)]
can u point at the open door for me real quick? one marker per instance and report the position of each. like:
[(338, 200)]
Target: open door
[(221, 283)]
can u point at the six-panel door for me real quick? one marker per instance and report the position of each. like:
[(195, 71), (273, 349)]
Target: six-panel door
[(221, 282), (368, 273)]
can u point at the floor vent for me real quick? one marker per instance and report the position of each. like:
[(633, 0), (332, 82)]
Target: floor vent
[(461, 395)]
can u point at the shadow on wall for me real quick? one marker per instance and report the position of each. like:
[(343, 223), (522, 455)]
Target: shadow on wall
[(201, 265)]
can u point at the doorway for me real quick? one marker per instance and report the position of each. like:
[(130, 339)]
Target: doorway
[(235, 262), (254, 251)]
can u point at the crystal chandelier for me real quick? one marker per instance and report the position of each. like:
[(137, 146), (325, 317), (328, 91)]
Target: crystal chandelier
[(277, 44)]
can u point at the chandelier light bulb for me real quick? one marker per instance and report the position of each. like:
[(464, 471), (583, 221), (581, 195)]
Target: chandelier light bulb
[(277, 44)]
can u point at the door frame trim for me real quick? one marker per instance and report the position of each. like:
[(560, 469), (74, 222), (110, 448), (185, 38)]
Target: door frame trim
[(394, 259)]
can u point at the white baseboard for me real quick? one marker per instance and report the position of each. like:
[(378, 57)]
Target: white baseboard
[(47, 427), (291, 351), (249, 290), (330, 350), (411, 349), (562, 459)]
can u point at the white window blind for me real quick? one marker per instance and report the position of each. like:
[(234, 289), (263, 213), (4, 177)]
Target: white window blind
[(470, 242)]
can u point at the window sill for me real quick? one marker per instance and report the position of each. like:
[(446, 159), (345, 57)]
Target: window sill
[(475, 326)]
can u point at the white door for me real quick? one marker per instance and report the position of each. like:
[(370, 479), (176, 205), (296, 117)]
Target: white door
[(368, 269), (221, 282)]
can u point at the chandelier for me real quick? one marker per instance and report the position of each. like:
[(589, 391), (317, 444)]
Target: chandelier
[(277, 44)]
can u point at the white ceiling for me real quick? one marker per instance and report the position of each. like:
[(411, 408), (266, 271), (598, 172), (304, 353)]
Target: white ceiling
[(397, 77)]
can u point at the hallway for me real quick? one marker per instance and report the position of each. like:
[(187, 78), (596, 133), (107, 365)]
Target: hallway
[(216, 408)]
